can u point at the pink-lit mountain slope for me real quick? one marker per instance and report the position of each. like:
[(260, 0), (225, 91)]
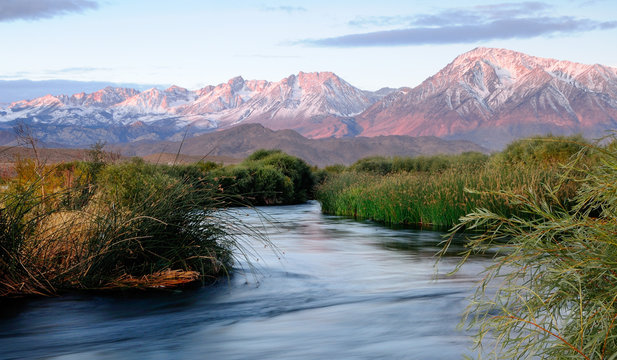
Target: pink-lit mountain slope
[(489, 96), (492, 96), (315, 104)]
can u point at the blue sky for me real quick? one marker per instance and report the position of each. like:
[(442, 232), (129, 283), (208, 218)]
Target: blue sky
[(371, 44)]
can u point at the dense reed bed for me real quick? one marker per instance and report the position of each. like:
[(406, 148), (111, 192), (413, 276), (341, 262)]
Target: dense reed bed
[(437, 191)]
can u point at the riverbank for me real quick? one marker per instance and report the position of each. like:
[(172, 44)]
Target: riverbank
[(100, 224), (435, 192), (343, 289)]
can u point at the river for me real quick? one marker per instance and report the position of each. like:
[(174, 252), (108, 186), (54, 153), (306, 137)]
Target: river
[(334, 288)]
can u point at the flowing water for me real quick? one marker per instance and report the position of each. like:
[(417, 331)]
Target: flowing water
[(342, 289)]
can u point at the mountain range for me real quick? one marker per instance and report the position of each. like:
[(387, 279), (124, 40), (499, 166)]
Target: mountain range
[(489, 96)]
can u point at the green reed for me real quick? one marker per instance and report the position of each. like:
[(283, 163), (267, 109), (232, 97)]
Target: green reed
[(435, 199)]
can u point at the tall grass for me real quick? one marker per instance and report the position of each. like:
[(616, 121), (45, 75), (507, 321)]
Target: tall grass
[(428, 199), (552, 290), (136, 225), (437, 191)]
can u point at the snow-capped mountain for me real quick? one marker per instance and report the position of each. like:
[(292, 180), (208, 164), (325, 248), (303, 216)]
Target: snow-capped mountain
[(492, 96), (302, 102), (314, 104)]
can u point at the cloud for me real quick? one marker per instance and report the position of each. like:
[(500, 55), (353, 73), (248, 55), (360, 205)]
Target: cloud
[(53, 73), (480, 13), (500, 29), (464, 25), (287, 9), (11, 10), (76, 70), (268, 56)]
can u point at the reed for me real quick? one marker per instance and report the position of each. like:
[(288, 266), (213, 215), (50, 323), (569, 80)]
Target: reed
[(427, 199), (436, 191)]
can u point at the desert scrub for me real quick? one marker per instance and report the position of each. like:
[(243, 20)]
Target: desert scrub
[(551, 292), (139, 226)]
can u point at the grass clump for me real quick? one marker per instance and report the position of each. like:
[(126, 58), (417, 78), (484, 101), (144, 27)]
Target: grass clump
[(552, 290), (92, 226)]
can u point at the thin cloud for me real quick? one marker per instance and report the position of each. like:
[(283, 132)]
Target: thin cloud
[(287, 9), (464, 25), (52, 73), (501, 29), (11, 10), (458, 16), (77, 70), (264, 56), (381, 21)]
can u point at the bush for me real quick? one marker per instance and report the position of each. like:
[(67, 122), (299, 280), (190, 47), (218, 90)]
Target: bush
[(551, 292), (542, 150), (431, 164), (375, 165), (267, 177)]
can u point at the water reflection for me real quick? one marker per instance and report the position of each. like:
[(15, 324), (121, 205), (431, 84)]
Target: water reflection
[(342, 289)]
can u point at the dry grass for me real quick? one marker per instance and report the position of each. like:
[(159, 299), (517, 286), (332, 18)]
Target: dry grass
[(166, 279), (134, 227)]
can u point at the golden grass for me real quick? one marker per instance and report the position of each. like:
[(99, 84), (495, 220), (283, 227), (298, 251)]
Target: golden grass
[(166, 279)]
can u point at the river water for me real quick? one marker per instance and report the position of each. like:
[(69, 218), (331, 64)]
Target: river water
[(342, 289)]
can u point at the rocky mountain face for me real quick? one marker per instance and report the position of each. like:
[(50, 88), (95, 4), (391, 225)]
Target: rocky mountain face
[(492, 96), (316, 104)]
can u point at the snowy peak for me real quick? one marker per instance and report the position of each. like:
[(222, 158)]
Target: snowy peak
[(236, 84), (487, 95), (157, 101), (297, 99), (519, 64), (498, 91), (103, 98)]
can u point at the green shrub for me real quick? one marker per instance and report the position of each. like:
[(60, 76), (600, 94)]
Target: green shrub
[(551, 292), (267, 177), (335, 169), (436, 163), (296, 170), (375, 165), (262, 154), (542, 150)]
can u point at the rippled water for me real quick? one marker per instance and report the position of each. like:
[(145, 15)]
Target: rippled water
[(342, 289)]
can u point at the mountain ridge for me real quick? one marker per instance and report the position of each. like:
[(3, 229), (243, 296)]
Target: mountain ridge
[(493, 96), (487, 95), (243, 140)]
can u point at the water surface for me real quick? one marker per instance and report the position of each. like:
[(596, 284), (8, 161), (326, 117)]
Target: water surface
[(342, 289)]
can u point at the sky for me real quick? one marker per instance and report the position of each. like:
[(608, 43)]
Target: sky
[(370, 44)]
